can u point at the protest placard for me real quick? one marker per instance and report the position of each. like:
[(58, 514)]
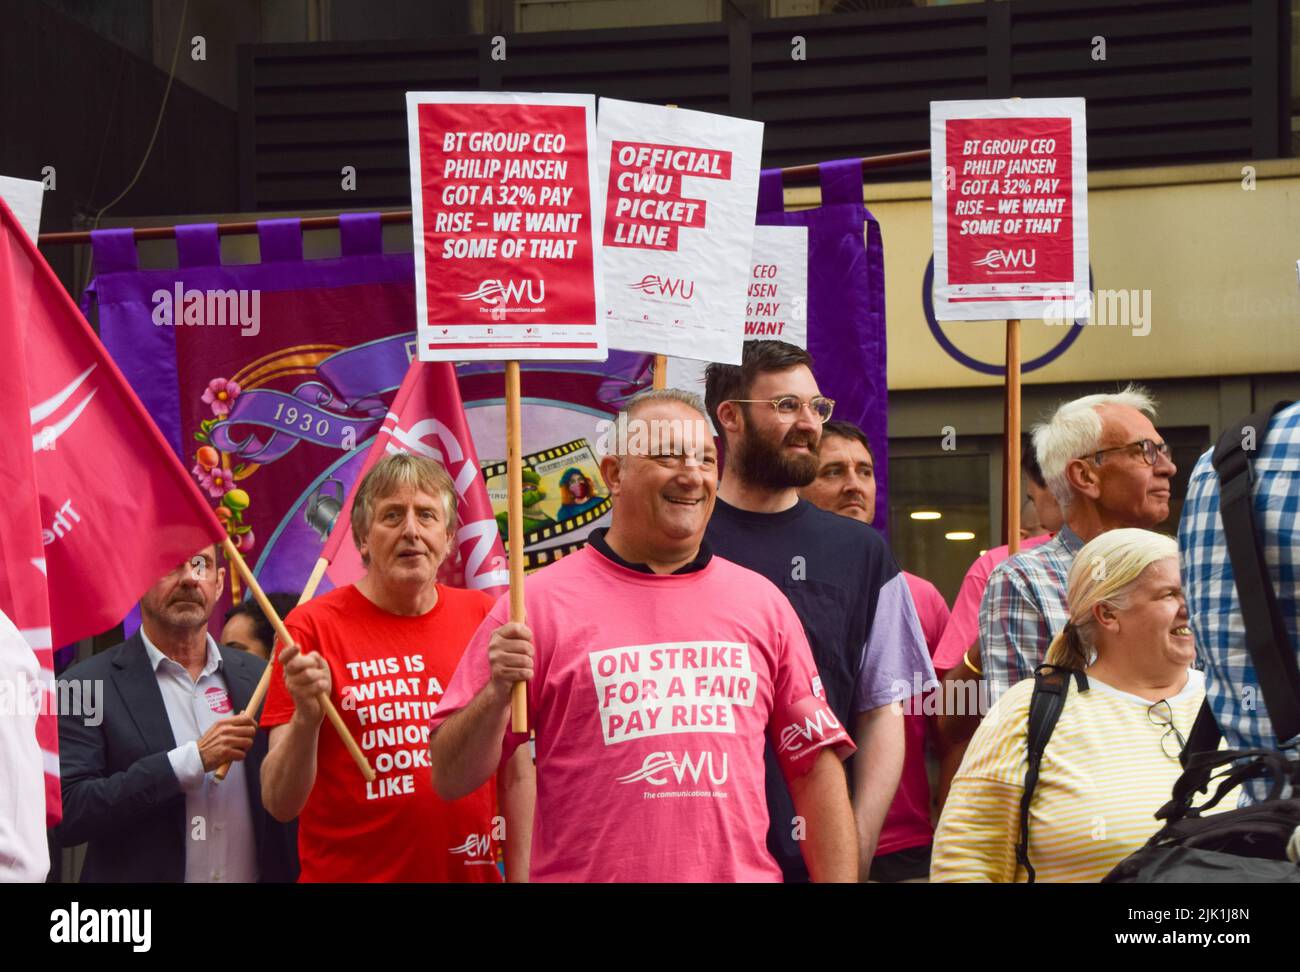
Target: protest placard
[(504, 219), (24, 197), (776, 298), (1009, 184), (680, 192)]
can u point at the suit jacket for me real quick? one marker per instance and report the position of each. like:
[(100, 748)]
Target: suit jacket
[(120, 795)]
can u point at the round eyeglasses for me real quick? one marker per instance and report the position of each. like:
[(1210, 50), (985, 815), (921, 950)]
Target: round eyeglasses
[(788, 406)]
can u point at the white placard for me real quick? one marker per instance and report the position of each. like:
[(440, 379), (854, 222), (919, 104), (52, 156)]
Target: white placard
[(24, 197), (680, 191), (777, 299), (776, 304), (505, 211), (1009, 191)]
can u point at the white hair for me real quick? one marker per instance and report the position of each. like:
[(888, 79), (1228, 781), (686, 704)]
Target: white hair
[(650, 396), (1075, 430), (627, 434)]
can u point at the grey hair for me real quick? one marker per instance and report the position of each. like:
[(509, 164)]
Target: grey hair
[(1075, 430), (613, 441), (664, 395)]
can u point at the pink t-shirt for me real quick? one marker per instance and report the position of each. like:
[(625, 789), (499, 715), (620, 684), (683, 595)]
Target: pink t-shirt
[(964, 625), (907, 824), (651, 700)]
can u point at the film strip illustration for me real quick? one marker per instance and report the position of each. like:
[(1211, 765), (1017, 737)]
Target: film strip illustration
[(493, 469), (533, 559), (548, 474)]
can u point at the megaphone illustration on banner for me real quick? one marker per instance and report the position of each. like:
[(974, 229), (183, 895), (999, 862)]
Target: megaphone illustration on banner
[(323, 508)]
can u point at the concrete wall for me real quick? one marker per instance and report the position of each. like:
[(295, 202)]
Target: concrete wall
[(1217, 258)]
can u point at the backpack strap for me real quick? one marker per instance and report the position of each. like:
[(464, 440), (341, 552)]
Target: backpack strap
[(1267, 640), (1205, 734), (1238, 766), (1051, 686)]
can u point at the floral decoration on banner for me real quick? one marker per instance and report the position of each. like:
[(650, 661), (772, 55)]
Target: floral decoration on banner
[(212, 467)]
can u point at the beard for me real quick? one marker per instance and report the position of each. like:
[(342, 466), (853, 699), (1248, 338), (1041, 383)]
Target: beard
[(763, 464), (181, 613)]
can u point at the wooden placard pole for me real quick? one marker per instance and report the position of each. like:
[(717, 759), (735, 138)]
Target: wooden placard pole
[(264, 683), (515, 542), (661, 360), (282, 633), (1012, 448)]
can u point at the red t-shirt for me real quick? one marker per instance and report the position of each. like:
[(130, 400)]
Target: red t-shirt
[(389, 673)]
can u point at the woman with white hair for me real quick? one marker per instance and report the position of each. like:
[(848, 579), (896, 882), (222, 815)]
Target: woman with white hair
[(1113, 758)]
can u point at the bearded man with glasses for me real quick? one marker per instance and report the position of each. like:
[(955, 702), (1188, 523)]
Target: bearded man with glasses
[(837, 573)]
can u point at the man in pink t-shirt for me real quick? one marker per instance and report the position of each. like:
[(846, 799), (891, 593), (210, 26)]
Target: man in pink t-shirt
[(846, 484), (656, 672)]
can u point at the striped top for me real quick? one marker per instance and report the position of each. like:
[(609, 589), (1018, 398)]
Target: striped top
[(1103, 777)]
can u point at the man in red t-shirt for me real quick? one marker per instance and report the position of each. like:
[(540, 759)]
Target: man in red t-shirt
[(384, 650), (655, 673)]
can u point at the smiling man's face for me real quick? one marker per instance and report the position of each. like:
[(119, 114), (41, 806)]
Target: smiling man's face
[(665, 487)]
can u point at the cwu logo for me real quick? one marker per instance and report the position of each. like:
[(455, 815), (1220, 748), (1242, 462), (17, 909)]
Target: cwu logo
[(507, 292), (821, 725), (655, 767), (475, 846), (1008, 258), (665, 286)]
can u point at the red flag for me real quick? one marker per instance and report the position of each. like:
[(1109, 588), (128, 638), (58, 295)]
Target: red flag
[(97, 507), (427, 418)]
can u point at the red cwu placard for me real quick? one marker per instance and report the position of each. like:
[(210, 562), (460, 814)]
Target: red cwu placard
[(504, 217), (1010, 209)]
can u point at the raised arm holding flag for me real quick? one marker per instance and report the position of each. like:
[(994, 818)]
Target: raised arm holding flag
[(427, 418)]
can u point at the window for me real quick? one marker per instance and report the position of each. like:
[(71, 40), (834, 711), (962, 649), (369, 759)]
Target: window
[(957, 486)]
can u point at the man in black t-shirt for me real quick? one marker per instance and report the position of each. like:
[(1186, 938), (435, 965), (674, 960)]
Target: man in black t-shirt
[(839, 575)]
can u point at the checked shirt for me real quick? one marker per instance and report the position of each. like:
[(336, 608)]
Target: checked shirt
[(1231, 685), (1023, 608)]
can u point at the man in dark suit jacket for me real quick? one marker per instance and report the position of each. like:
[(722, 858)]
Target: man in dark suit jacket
[(138, 785)]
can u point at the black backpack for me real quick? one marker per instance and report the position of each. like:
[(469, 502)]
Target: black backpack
[(1247, 844)]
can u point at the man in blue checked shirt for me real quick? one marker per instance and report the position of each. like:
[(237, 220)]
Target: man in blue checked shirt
[(1107, 466), (1230, 682)]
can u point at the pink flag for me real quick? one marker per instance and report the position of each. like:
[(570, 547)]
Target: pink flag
[(428, 419), (97, 507)]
